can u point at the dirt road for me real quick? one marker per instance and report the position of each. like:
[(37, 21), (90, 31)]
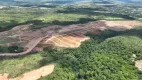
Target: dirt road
[(31, 45)]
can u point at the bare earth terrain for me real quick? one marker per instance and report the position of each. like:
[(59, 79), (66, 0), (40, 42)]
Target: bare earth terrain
[(23, 36), (32, 75), (65, 40)]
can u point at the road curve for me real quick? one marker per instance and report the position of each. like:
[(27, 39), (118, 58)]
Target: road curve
[(33, 44)]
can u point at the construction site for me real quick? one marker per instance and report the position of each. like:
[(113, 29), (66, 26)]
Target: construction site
[(69, 36)]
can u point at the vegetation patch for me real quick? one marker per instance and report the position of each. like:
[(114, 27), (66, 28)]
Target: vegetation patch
[(17, 66)]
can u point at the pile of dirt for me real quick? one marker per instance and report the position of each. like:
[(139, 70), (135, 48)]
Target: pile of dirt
[(32, 75)]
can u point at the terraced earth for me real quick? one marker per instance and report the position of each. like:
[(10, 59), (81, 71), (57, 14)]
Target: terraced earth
[(66, 40)]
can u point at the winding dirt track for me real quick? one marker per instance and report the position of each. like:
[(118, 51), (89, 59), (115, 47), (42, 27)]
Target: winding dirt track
[(32, 45)]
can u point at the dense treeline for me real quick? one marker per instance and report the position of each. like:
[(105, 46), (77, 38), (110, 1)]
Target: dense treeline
[(104, 57)]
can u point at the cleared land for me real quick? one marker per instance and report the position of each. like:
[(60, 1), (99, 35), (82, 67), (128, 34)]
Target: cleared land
[(127, 23), (114, 25), (30, 39), (123, 24), (66, 40), (32, 75)]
